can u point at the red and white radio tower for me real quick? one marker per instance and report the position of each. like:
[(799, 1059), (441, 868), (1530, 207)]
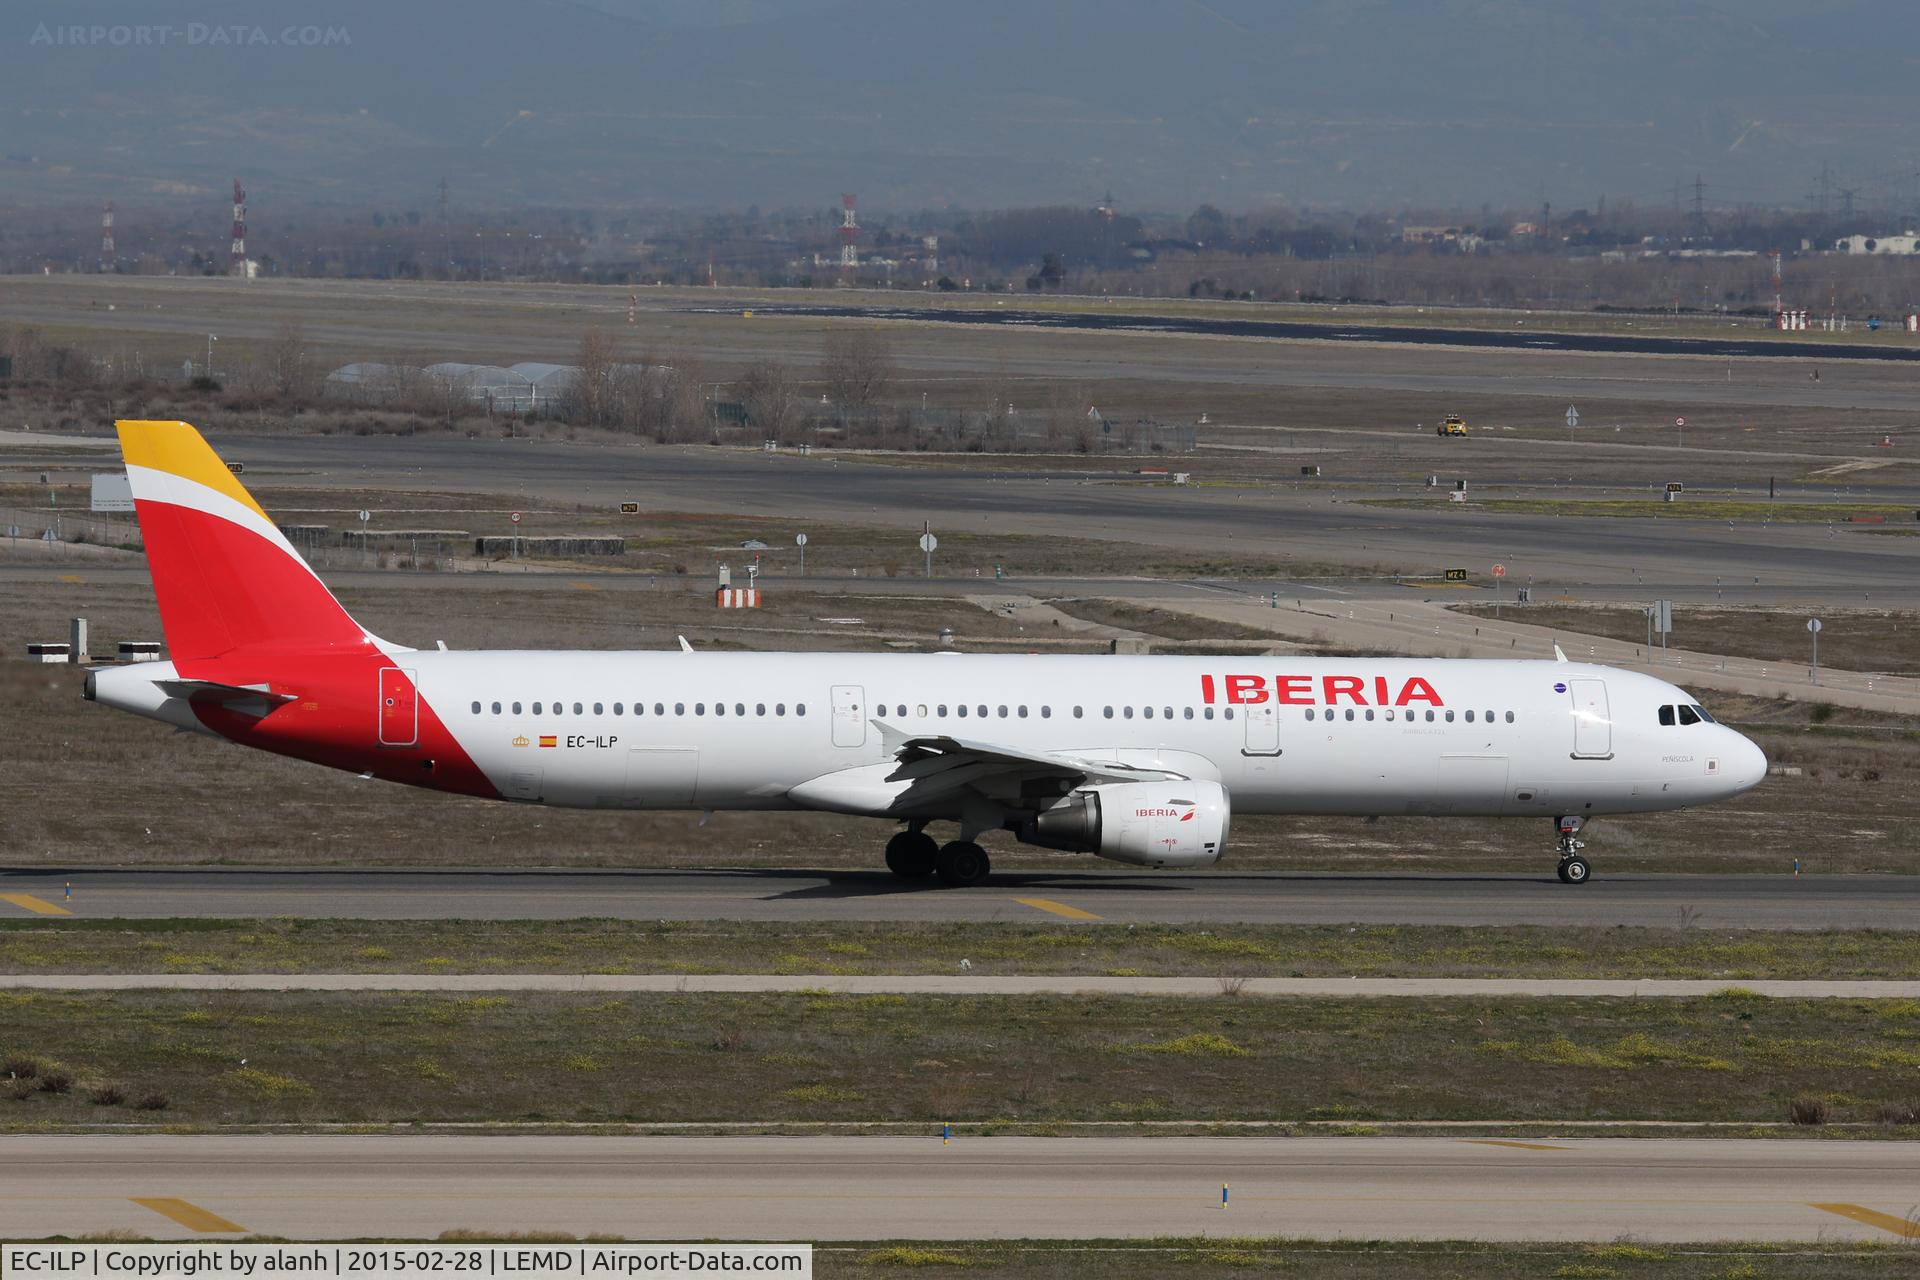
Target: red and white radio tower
[(849, 233), (237, 264), (106, 237)]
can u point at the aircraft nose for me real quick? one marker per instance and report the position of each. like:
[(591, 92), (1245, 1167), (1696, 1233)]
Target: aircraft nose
[(1747, 763)]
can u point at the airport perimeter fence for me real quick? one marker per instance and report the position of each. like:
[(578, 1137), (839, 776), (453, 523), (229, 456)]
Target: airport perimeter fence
[(51, 524), (322, 548)]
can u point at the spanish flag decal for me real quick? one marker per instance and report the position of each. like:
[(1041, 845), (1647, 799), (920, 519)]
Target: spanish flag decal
[(549, 740)]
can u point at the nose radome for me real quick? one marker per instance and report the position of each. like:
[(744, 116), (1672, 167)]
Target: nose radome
[(1749, 764)]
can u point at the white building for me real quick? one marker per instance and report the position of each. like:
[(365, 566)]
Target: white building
[(1908, 242)]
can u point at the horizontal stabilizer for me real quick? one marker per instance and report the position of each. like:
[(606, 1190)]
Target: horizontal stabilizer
[(252, 700)]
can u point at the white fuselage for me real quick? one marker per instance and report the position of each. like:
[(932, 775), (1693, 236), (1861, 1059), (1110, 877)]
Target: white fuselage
[(1310, 736)]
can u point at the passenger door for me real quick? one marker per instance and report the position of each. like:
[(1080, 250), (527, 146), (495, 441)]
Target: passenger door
[(399, 708), (1592, 721)]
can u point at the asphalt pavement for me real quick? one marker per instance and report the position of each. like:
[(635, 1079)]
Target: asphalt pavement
[(322, 1187), (1722, 902)]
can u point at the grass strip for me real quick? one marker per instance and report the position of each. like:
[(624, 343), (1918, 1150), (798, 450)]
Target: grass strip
[(200, 945), (206, 1059)]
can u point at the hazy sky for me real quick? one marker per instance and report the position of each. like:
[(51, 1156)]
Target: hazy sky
[(1168, 103)]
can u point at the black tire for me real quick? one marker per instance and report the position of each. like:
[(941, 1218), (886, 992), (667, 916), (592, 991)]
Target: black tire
[(912, 855), (962, 864), (1575, 870)]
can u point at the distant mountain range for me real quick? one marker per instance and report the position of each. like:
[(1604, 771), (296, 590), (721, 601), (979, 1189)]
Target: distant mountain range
[(978, 103)]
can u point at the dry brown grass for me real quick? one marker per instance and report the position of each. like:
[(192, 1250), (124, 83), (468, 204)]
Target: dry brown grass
[(1871, 640)]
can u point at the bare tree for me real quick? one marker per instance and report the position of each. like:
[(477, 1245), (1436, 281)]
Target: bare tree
[(289, 366), (769, 391), (857, 367), (587, 398)]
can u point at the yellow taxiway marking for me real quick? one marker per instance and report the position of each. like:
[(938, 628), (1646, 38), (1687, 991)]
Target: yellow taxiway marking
[(190, 1216), (1056, 908), (71, 577), (1905, 1228), (584, 586), (1508, 1142), (39, 906)]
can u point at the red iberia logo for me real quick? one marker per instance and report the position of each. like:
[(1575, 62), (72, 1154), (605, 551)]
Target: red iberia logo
[(549, 740)]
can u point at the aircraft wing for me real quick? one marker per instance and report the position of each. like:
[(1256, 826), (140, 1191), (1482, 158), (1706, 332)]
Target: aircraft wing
[(925, 758), (938, 773)]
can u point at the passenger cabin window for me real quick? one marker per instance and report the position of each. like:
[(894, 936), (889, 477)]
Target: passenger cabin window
[(599, 709)]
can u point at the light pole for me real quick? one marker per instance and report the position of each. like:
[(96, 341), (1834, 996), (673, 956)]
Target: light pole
[(211, 339), (1813, 629)]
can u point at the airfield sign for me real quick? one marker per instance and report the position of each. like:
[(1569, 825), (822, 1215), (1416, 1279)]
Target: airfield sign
[(1573, 417)]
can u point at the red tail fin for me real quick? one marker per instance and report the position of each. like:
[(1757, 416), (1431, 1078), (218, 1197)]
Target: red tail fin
[(224, 575)]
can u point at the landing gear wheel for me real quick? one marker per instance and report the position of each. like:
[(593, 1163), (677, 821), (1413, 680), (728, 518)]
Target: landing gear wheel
[(961, 864), (1574, 870), (912, 855)]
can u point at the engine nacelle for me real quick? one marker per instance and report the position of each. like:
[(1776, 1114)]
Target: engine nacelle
[(1149, 824)]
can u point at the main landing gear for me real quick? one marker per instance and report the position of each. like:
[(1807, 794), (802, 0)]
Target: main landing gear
[(913, 855), (1574, 869)]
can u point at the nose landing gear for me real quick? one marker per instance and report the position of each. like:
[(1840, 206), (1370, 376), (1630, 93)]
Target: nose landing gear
[(1573, 869)]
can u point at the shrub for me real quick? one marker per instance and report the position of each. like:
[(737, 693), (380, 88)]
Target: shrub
[(22, 1066), (907, 1255), (55, 1081), (107, 1095), (1809, 1110), (1899, 1113), (21, 1090), (1201, 1044), (152, 1102)]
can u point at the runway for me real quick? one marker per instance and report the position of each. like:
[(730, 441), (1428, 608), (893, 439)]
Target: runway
[(1719, 902), (1538, 339), (1800, 560), (861, 1188)]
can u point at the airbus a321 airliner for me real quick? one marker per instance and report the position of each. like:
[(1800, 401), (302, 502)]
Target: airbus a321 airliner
[(1138, 759)]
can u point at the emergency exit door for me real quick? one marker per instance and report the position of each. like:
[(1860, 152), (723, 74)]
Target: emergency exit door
[(849, 716), (399, 708), (1263, 729)]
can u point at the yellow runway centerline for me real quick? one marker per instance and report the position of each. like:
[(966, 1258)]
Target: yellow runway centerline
[(1056, 908), (1905, 1228), (39, 906), (1508, 1142), (190, 1216)]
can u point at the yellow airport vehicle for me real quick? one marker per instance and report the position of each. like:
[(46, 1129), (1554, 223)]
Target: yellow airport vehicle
[(1454, 425)]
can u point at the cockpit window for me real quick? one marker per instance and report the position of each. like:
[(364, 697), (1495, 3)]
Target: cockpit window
[(1704, 714), (1666, 716), (1688, 715)]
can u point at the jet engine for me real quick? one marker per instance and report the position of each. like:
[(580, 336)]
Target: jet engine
[(1149, 824)]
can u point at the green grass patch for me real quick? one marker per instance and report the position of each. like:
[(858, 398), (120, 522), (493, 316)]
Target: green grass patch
[(309, 1058), (78, 945)]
